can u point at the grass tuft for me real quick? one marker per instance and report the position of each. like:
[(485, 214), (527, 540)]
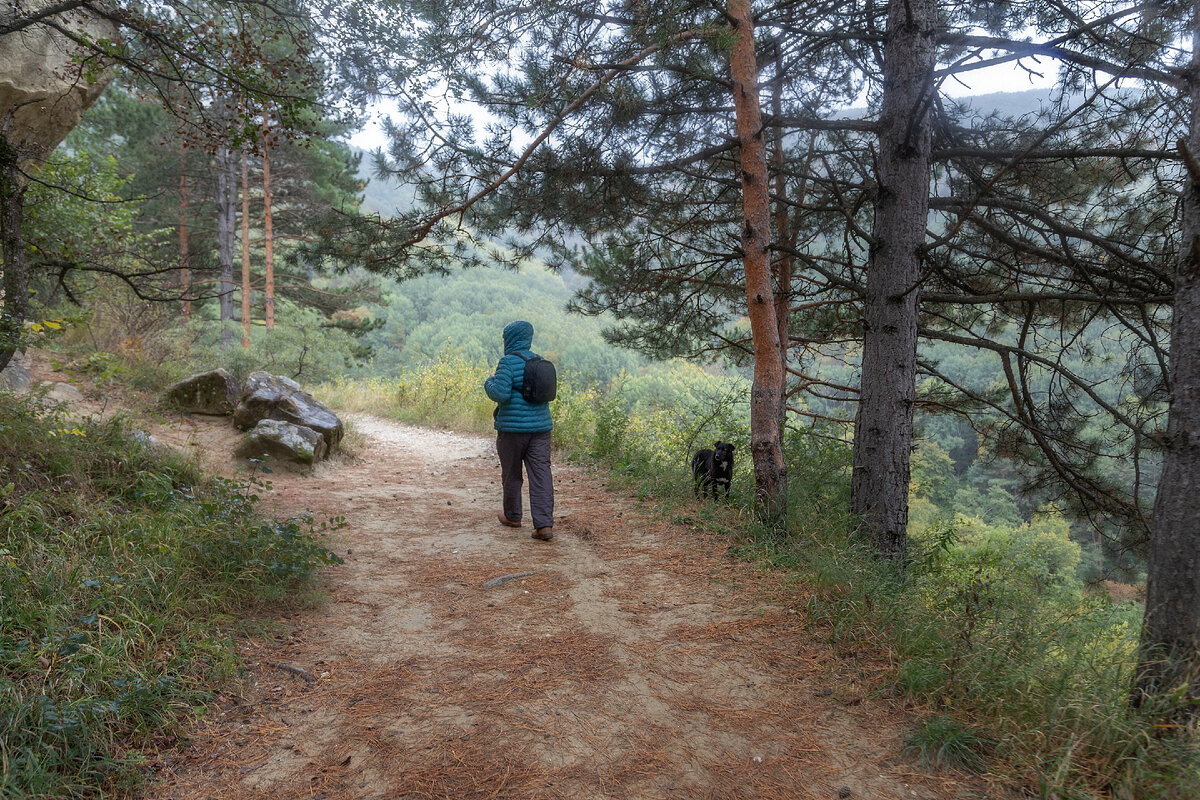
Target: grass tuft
[(942, 743)]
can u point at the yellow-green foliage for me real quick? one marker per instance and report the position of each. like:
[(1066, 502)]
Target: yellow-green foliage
[(589, 422), (447, 391), (675, 384), (574, 415)]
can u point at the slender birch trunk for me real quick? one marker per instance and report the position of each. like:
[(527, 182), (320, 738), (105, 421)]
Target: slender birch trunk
[(784, 267)]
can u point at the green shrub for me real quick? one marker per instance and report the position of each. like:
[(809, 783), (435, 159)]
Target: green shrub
[(990, 625)]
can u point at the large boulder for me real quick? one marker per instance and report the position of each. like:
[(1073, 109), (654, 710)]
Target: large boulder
[(15, 378), (48, 79), (283, 441), (214, 392), (266, 396)]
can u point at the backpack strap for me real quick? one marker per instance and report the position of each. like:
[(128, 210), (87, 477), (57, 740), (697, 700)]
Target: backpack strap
[(517, 353)]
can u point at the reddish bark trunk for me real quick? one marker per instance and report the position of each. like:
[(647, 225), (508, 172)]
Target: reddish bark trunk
[(226, 214), (268, 235), (766, 394)]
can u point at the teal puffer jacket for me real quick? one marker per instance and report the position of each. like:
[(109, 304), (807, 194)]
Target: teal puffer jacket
[(514, 415)]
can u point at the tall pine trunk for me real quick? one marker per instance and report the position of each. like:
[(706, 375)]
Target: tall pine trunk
[(767, 390), (226, 215), (784, 267), (185, 270), (245, 249), (268, 234), (1170, 646), (16, 279), (883, 428)]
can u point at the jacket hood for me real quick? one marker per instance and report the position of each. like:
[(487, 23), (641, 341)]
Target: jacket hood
[(518, 336)]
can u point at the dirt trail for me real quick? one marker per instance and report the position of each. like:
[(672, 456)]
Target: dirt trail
[(634, 661)]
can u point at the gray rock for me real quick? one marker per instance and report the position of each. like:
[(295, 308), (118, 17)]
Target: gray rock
[(284, 441), (503, 579), (267, 396), (64, 393), (214, 393), (15, 378), (151, 442)]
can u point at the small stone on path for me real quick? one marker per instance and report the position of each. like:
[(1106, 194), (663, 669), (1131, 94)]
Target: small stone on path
[(503, 579)]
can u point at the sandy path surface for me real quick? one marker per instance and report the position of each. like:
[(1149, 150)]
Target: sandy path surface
[(634, 660)]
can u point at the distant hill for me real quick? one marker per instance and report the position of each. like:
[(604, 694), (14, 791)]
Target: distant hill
[(1009, 104), (1012, 104)]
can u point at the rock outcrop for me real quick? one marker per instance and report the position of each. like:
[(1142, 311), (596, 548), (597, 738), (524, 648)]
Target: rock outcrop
[(47, 81), (285, 441), (273, 397), (215, 392)]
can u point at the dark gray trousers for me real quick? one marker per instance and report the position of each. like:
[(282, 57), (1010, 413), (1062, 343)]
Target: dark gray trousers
[(532, 450)]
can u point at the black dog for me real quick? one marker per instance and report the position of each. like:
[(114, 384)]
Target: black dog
[(713, 469)]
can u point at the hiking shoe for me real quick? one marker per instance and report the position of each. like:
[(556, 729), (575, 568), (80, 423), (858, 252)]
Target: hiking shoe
[(545, 534), (508, 522)]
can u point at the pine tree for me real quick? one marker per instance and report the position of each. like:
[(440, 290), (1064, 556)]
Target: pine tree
[(1170, 644)]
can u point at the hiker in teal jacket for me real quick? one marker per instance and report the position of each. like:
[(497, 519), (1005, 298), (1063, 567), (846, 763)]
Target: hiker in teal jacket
[(514, 414), (522, 436)]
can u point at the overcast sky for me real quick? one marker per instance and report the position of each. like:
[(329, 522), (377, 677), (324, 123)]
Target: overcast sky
[(1002, 78)]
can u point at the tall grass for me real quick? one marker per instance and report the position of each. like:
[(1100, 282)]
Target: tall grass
[(1019, 673), (447, 392), (120, 571)]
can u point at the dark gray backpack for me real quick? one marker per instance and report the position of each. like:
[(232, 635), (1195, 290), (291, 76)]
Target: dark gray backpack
[(540, 381)]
